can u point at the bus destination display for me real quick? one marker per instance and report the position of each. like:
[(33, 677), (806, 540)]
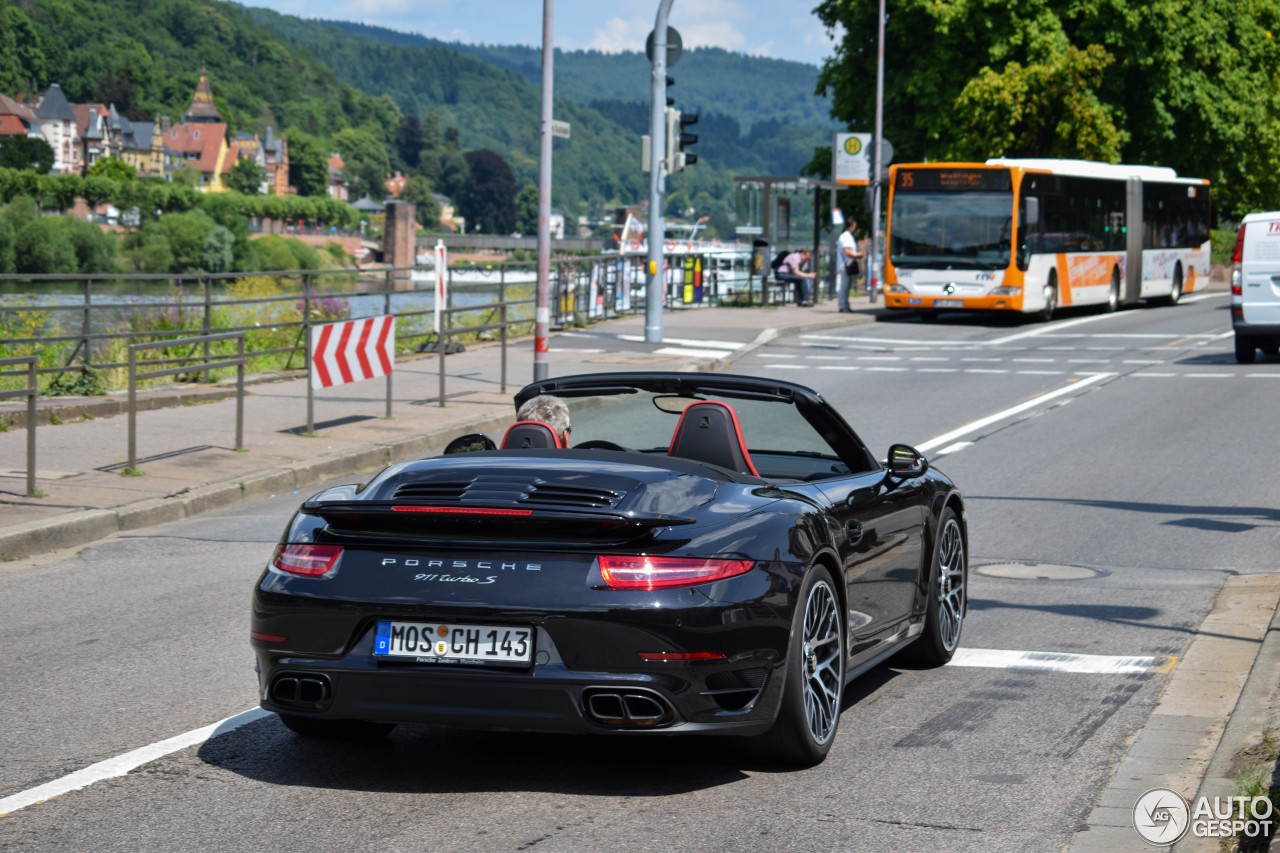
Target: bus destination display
[(954, 180)]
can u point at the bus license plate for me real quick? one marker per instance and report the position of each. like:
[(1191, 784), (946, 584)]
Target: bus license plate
[(433, 642), (948, 303)]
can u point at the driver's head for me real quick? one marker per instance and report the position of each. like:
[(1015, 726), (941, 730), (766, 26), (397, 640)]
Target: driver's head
[(552, 411)]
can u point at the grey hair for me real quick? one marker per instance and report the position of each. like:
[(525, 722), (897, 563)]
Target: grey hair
[(544, 407)]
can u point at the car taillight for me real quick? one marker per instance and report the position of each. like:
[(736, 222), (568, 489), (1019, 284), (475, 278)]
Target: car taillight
[(1237, 283), (309, 561), (622, 572)]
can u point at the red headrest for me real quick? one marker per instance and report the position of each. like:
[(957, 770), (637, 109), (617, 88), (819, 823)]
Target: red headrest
[(709, 432), (530, 434)]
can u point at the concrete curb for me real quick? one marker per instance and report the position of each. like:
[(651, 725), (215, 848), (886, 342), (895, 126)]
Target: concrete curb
[(84, 526)]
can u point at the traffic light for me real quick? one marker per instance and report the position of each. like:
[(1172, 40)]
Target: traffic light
[(687, 139), (677, 139), (671, 81)]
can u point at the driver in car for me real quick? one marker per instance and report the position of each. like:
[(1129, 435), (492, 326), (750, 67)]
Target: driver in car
[(551, 411)]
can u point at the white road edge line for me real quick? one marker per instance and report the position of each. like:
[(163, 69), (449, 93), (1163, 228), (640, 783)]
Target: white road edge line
[(1056, 661), (948, 437), (122, 764)]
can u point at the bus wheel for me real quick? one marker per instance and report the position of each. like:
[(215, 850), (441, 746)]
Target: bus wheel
[(1050, 299), (1246, 349), (1113, 295), (1176, 293)]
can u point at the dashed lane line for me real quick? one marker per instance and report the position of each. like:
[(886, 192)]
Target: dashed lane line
[(1061, 662)]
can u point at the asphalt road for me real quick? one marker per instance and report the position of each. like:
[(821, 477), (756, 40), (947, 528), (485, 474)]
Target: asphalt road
[(1152, 484)]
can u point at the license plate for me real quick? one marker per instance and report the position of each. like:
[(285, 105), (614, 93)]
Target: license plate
[(948, 303), (437, 643)]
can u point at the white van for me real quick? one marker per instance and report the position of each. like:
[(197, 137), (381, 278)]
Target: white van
[(1255, 286)]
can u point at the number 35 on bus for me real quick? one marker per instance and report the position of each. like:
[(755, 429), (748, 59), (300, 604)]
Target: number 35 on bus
[(1034, 235)]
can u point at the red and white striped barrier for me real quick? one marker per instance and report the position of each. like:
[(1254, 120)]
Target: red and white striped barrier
[(352, 351)]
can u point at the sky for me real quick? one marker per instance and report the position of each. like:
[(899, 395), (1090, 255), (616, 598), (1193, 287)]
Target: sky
[(780, 29)]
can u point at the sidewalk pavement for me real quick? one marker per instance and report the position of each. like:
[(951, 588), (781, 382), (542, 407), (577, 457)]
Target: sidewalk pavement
[(186, 435), (1214, 705)]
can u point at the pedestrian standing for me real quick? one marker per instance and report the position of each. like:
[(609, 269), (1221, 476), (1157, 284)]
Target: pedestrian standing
[(850, 266)]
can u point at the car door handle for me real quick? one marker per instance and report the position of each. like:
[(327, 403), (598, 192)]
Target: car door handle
[(853, 531)]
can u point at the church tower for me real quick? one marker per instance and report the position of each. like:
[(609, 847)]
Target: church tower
[(202, 110)]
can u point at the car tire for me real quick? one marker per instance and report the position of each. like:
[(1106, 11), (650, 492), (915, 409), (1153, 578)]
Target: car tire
[(1246, 349), (353, 730), (810, 710), (948, 601)]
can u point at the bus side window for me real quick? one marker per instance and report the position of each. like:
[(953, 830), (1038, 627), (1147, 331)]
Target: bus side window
[(1028, 229)]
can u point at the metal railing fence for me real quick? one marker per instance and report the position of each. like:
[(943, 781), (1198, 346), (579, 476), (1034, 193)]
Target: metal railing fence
[(74, 323), (134, 375), (30, 391)]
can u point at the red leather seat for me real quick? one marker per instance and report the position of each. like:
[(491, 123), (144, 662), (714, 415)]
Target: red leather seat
[(524, 435), (708, 431)]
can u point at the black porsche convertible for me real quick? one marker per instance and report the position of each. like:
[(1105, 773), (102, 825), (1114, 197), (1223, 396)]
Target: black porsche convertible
[(714, 554)]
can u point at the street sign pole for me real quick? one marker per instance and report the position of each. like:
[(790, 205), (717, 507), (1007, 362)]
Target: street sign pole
[(654, 277), (542, 306), (873, 257)]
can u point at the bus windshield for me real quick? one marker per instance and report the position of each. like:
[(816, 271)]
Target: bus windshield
[(938, 219)]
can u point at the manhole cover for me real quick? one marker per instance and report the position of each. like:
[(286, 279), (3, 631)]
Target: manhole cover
[(1039, 571)]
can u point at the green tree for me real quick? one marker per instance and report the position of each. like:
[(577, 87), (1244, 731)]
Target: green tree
[(1176, 83), (527, 210), (489, 201), (308, 164), (246, 176), (27, 153), (22, 59), (6, 246), (113, 168), (417, 191), (96, 190), (62, 189), (367, 163)]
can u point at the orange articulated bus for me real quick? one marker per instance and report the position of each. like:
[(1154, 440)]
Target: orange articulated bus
[(1033, 235)]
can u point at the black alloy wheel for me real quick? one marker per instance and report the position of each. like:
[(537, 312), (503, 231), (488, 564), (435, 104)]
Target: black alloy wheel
[(810, 711), (948, 596)]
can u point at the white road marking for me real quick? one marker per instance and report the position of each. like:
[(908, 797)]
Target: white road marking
[(1263, 375), (691, 352), (122, 764), (1040, 372), (1143, 361), (688, 342), (1209, 375), (1158, 375), (1035, 360), (879, 358), (889, 369), (1052, 327), (1088, 361), (904, 341), (827, 357), (838, 367), (929, 358), (938, 370), (781, 355), (785, 366), (975, 358), (984, 370), (948, 437), (574, 349), (959, 445), (1058, 349), (1200, 297), (1057, 661)]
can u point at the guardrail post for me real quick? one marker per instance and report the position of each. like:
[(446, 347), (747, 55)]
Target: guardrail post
[(206, 324), (133, 407), (239, 392), (442, 344), (386, 312), (86, 328), (311, 392), (31, 427), (502, 317)]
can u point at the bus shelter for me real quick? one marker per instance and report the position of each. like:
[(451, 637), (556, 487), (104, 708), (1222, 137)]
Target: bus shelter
[(785, 213)]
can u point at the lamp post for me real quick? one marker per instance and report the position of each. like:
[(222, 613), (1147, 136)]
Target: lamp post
[(873, 257), (654, 283), (542, 306)]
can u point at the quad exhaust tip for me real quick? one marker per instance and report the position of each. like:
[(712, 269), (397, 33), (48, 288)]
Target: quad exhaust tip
[(633, 708), (296, 690)]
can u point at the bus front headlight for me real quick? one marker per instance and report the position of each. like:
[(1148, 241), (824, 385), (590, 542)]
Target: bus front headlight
[(895, 288), (1005, 291)]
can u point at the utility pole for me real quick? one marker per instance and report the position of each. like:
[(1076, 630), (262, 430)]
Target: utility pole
[(542, 307), (654, 278), (873, 257)]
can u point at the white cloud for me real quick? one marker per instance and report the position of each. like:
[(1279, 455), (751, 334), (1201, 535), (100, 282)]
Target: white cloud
[(713, 34), (765, 50), (618, 35)]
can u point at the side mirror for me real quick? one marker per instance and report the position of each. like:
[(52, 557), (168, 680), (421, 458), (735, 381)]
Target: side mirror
[(1031, 213), (470, 443), (906, 462)]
